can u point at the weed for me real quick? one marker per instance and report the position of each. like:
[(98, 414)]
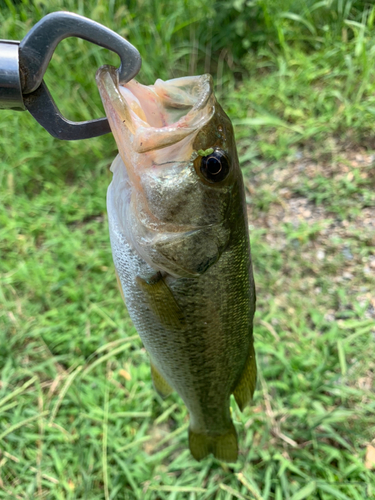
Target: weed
[(79, 417)]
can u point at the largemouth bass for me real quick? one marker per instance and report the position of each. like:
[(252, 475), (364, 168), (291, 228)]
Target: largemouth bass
[(180, 244)]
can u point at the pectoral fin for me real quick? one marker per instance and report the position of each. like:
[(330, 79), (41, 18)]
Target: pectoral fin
[(161, 301), (120, 286), (160, 384), (245, 388)]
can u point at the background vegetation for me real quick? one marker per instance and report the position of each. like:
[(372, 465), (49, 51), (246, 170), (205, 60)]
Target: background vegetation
[(79, 418)]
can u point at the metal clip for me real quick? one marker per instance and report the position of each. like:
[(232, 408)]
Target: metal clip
[(10, 82), (23, 64)]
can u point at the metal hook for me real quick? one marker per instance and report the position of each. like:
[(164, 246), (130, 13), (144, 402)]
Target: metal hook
[(22, 71)]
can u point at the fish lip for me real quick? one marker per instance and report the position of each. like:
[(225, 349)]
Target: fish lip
[(146, 137), (205, 84)]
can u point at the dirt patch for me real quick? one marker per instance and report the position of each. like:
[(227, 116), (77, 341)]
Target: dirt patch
[(341, 249)]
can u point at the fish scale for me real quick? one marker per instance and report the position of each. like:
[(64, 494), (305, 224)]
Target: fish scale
[(181, 250)]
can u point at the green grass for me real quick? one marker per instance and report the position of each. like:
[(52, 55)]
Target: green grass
[(79, 418)]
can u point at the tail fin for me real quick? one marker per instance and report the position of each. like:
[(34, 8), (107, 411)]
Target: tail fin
[(223, 446)]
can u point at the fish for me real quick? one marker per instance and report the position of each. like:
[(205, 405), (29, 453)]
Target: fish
[(180, 244)]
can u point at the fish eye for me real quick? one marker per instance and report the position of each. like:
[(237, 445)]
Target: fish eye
[(215, 166)]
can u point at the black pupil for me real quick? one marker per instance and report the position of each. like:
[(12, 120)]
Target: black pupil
[(215, 167)]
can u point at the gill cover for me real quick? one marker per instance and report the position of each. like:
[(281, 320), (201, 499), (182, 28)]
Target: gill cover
[(174, 216)]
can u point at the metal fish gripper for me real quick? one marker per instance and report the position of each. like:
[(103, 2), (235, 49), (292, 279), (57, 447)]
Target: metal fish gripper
[(23, 65)]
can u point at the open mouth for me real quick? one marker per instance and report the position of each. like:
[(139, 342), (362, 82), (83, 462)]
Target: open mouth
[(156, 116)]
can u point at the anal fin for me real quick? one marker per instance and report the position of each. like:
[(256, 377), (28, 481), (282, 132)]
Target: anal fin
[(160, 384), (243, 393)]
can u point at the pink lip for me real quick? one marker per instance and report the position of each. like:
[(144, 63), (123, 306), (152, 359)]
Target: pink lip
[(156, 117)]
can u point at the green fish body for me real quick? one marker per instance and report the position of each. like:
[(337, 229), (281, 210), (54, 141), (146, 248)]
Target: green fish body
[(180, 244)]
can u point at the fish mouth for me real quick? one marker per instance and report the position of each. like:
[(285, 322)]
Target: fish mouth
[(146, 119)]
